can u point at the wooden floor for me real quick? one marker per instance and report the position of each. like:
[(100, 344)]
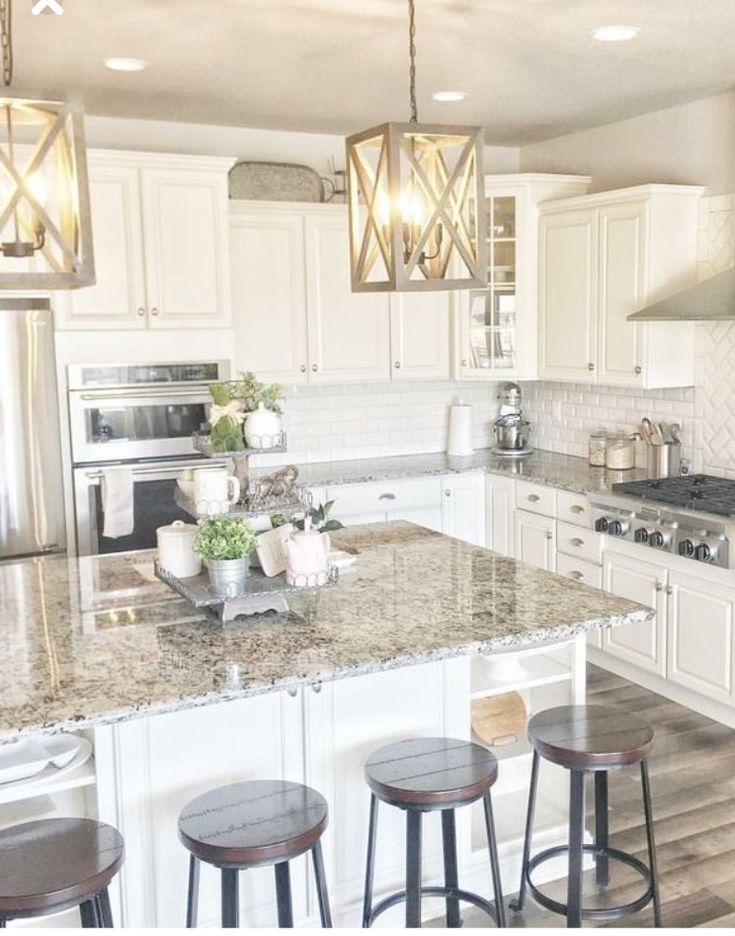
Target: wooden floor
[(693, 782)]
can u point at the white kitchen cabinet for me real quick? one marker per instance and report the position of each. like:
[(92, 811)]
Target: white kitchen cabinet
[(419, 335), (156, 765), (160, 241), (700, 651), (534, 539), (349, 333), (269, 292), (642, 644), (463, 507), (499, 493), (496, 327), (346, 721), (602, 257)]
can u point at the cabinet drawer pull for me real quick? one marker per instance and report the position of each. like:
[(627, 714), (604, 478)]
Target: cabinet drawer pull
[(576, 574), (387, 497), (576, 541), (577, 508), (534, 498)]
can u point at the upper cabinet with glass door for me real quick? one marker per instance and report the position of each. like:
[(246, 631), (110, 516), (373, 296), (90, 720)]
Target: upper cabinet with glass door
[(496, 328)]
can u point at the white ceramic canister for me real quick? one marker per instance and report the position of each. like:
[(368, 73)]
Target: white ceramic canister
[(176, 549), (262, 428)]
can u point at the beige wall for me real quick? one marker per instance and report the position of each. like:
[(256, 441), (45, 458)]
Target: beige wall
[(691, 143)]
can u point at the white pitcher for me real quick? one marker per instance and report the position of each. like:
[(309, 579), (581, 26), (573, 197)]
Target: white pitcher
[(307, 553)]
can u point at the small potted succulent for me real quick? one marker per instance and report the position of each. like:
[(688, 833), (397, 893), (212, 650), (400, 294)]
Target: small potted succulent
[(225, 543)]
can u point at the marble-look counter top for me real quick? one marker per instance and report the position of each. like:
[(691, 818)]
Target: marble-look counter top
[(99, 639), (561, 471)]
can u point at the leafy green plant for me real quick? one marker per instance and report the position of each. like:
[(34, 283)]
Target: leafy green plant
[(320, 519), (251, 391), (225, 538), (226, 433)]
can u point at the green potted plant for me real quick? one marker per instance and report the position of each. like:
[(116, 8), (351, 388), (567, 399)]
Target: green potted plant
[(245, 407), (320, 519), (225, 543)]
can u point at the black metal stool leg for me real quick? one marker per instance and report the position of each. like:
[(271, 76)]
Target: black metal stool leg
[(367, 905), (321, 886), (602, 870), (230, 898), (492, 845), (192, 900), (88, 913), (648, 809), (413, 868), (104, 911), (283, 896), (518, 903), (576, 840), (451, 877)]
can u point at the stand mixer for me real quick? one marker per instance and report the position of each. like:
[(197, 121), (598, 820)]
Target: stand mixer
[(511, 430)]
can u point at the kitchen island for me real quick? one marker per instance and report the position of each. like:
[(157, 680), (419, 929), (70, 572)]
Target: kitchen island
[(176, 703)]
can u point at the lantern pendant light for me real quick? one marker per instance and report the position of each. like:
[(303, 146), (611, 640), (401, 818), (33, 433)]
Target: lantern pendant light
[(415, 197), (45, 227)]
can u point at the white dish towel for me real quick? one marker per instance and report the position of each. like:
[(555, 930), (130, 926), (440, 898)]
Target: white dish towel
[(117, 502)]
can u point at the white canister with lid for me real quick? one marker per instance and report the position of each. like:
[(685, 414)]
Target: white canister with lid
[(262, 428), (176, 549)]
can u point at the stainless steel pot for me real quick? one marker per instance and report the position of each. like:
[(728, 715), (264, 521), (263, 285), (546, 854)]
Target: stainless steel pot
[(228, 576), (511, 433)]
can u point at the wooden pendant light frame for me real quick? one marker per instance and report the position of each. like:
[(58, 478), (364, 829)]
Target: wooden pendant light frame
[(68, 252), (454, 197)]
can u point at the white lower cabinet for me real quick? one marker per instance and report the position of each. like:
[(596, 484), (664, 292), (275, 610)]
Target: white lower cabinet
[(642, 644), (463, 507), (535, 539), (499, 514), (700, 653)]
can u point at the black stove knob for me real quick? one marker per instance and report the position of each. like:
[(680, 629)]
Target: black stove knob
[(615, 528), (657, 540), (641, 535), (601, 525), (703, 553), (686, 548)]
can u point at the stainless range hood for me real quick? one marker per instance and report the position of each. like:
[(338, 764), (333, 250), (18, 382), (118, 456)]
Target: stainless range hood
[(709, 301)]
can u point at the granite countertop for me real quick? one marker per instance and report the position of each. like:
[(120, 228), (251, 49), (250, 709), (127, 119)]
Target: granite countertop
[(97, 640), (567, 472)]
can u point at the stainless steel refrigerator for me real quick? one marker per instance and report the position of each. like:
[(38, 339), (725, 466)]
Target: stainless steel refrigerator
[(31, 491)]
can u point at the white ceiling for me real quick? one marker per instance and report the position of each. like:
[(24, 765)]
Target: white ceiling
[(529, 67)]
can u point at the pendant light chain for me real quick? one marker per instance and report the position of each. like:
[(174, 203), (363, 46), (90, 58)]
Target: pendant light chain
[(411, 52), (6, 39)]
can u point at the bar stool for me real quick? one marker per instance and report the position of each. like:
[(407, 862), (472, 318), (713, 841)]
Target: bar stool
[(52, 865), (250, 825), (423, 775), (590, 739)]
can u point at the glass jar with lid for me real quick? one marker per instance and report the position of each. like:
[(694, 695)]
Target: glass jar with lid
[(620, 453), (597, 446)]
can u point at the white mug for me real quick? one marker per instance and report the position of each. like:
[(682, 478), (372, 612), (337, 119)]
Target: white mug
[(215, 490), (176, 549)]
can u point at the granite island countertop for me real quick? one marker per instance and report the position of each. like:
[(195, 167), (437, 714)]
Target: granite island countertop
[(97, 640), (567, 472)]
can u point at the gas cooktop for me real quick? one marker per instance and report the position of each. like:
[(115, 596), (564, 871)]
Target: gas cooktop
[(703, 493)]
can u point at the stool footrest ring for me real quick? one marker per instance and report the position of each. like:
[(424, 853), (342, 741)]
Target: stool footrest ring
[(438, 891), (601, 914)]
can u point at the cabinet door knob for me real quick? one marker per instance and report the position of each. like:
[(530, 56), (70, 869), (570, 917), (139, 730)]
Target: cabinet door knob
[(590, 366), (639, 369), (669, 590), (292, 692), (154, 311), (447, 493), (549, 534), (576, 541), (576, 574), (465, 363), (303, 368), (387, 497), (577, 508), (397, 365), (533, 498), (659, 587), (315, 367), (140, 311), (316, 687)]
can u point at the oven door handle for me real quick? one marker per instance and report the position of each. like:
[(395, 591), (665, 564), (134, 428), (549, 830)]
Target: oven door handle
[(149, 394), (169, 466)]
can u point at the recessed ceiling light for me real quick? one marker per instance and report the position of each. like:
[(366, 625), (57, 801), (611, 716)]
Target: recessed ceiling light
[(449, 97), (120, 63), (614, 33)]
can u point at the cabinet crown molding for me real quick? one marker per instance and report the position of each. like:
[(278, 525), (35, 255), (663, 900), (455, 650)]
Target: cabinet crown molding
[(649, 190), (150, 160)]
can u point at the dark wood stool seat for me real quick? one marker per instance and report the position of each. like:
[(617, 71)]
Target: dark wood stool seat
[(249, 825), (422, 775), (590, 737), (52, 864), (431, 773)]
